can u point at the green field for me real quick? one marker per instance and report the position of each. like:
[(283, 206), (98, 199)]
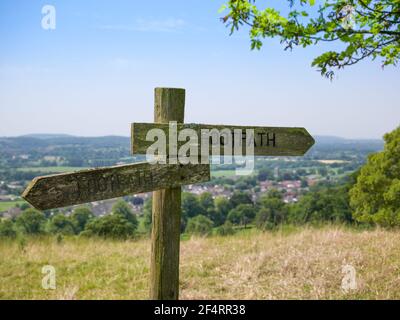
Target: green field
[(305, 263), (5, 205), (50, 169), (223, 173)]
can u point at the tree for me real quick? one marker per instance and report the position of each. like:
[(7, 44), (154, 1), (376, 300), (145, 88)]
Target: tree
[(323, 171), (80, 217), (325, 203), (272, 194), (222, 208), (24, 206), (272, 213), (31, 221), (207, 204), (375, 197), (190, 206), (366, 28), (147, 214), (7, 229), (240, 198), (123, 209), (226, 229), (242, 214), (272, 210), (265, 174), (61, 224), (206, 201), (110, 226), (199, 225), (137, 201)]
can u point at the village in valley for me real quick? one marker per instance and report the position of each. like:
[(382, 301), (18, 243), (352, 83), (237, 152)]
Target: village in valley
[(24, 158)]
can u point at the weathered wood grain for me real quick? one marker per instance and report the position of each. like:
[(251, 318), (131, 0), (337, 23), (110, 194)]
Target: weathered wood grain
[(267, 141), (61, 190), (166, 219)]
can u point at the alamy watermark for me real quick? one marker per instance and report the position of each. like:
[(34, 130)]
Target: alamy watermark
[(48, 17), (49, 280), (347, 17), (184, 147), (349, 281)]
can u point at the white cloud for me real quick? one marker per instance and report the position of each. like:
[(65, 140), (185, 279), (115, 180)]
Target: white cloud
[(148, 25)]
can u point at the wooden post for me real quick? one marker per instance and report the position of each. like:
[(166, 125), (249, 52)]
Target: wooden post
[(166, 217)]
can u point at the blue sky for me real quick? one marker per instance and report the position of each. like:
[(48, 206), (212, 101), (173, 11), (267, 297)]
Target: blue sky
[(96, 72)]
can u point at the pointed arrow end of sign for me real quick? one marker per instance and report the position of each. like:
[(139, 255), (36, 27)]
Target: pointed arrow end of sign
[(310, 141), (28, 196)]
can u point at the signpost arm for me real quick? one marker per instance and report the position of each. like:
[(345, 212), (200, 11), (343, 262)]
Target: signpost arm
[(166, 217)]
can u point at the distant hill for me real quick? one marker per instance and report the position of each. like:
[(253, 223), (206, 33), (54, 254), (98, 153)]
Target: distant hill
[(45, 143), (45, 136), (339, 140), (29, 142)]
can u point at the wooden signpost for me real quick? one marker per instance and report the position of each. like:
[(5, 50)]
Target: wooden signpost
[(165, 180), (67, 189), (267, 141)]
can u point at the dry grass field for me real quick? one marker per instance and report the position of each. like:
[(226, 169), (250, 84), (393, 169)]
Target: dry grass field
[(305, 263)]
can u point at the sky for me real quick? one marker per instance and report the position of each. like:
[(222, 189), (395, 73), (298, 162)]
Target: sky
[(95, 73)]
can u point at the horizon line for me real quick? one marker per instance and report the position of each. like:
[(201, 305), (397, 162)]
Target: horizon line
[(32, 135)]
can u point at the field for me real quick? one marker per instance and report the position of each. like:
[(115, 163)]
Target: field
[(223, 173), (5, 205), (301, 263)]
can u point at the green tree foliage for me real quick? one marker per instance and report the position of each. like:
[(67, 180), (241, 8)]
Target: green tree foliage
[(222, 208), (272, 212), (61, 224), (376, 195), (322, 204), (323, 171), (242, 214), (226, 229), (147, 214), (207, 204), (366, 28), (206, 201), (200, 225), (7, 229), (265, 174), (110, 226), (24, 206), (122, 209), (240, 198), (191, 205), (137, 201), (80, 217), (31, 221)]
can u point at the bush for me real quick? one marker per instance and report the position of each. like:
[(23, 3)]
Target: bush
[(272, 212), (264, 219), (239, 198), (110, 226), (124, 210), (31, 221), (242, 214), (7, 229), (222, 208), (225, 230), (61, 224), (199, 225), (325, 204), (80, 217)]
